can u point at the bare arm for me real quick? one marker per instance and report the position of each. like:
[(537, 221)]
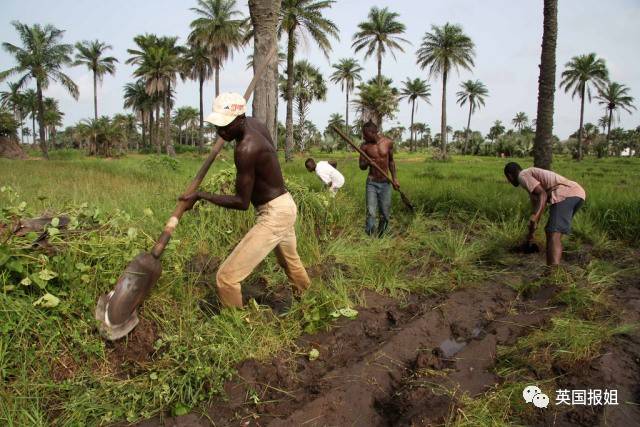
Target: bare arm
[(392, 164), (362, 162), (538, 201), (245, 178)]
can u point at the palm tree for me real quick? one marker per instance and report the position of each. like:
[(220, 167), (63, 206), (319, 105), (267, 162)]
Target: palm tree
[(579, 74), (196, 65), (30, 104), (412, 91), (381, 33), (603, 122), (14, 99), (128, 125), (91, 54), (376, 100), (298, 17), (335, 119), (52, 118), (473, 92), (347, 73), (219, 29), (542, 145), (446, 48), (520, 121), (158, 65), (309, 86), (41, 58), (496, 130), (614, 97), (137, 98)]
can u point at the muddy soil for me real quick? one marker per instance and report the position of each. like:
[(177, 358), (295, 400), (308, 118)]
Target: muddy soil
[(407, 363), (128, 355), (368, 368)]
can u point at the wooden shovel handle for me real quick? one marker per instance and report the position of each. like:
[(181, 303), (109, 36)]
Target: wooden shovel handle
[(405, 199), (172, 223)]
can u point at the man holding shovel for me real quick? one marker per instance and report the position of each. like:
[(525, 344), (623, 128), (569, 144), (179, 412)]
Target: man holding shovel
[(564, 196), (378, 194), (259, 181)]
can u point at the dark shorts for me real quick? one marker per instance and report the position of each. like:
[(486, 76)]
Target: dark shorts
[(561, 214)]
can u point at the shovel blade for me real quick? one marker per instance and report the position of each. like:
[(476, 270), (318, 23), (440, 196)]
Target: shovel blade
[(133, 287)]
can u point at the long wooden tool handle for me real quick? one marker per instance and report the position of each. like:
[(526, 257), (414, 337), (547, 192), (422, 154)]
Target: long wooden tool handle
[(405, 199), (362, 153), (171, 225)]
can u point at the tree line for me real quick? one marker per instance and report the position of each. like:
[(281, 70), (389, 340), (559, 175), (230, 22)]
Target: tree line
[(219, 29)]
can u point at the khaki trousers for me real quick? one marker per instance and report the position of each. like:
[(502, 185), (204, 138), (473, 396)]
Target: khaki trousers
[(274, 229)]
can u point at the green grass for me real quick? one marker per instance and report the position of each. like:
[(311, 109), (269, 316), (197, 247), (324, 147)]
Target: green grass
[(468, 217)]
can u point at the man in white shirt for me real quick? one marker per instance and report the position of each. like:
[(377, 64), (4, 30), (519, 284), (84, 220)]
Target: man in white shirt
[(327, 172)]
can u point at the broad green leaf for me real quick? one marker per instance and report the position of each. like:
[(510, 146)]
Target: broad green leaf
[(53, 231), (26, 282), (180, 409), (47, 275), (47, 300), (148, 212), (55, 222), (15, 265)]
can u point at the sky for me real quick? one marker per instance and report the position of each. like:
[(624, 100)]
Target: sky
[(507, 35)]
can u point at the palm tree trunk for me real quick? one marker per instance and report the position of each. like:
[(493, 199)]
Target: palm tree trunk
[(443, 116), (157, 129), (542, 146), (217, 77), (582, 93), (43, 140), (411, 144), (142, 120), (168, 144), (466, 134), (264, 19), (609, 124), (302, 118), (95, 96), (346, 115), (288, 146), (20, 134), (200, 130), (33, 127), (379, 54)]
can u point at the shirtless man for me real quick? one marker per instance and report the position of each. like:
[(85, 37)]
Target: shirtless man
[(259, 181), (380, 150), (563, 196)]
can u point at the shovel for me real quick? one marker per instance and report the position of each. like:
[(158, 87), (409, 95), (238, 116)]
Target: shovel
[(116, 311), (404, 198)]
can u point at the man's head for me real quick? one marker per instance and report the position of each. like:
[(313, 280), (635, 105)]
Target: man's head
[(511, 171), (228, 115), (310, 164), (369, 131)]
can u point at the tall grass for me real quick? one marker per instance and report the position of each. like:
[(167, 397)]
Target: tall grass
[(467, 216)]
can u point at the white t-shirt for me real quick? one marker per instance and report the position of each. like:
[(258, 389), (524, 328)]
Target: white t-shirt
[(329, 175)]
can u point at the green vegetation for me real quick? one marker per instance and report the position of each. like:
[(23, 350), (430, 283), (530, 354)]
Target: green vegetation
[(56, 369)]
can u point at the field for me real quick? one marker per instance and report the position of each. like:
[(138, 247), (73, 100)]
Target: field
[(440, 322)]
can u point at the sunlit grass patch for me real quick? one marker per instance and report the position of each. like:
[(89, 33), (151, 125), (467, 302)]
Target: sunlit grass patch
[(566, 342)]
